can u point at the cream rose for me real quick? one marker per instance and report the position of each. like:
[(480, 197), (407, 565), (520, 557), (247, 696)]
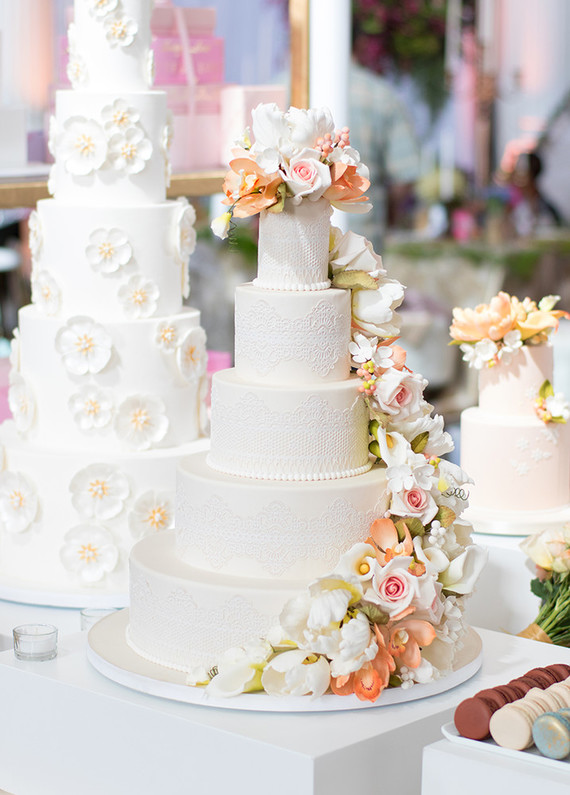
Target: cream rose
[(400, 394), (414, 502), (306, 176), (373, 311)]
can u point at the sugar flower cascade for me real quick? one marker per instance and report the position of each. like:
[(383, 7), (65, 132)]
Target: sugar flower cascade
[(390, 613)]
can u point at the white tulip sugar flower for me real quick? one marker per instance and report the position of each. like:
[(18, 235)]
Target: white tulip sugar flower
[(294, 673)]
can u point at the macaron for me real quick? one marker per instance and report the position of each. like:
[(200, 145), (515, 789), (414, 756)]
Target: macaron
[(542, 677), (511, 727), (472, 718), (551, 735), (560, 670), (494, 696)]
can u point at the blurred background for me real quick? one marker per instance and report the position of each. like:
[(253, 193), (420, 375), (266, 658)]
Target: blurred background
[(461, 109)]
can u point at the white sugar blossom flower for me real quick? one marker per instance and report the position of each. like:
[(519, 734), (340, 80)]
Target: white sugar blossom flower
[(373, 311), (150, 68), (84, 345), (357, 646), (512, 343), (18, 502), (83, 146), (139, 297), (119, 116), (152, 512), (352, 252), (220, 226), (52, 180), (120, 30), (76, 71), (53, 135), (35, 234), (187, 233), (557, 406), (90, 552), (21, 402), (439, 441), (108, 250), (46, 294), (359, 561), (167, 132), (99, 8), (239, 670), (479, 355), (99, 491), (141, 421), (294, 673), (91, 407), (129, 150), (362, 349), (191, 355), (167, 336)]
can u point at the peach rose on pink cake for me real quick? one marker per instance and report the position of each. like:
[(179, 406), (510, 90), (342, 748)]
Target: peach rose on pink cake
[(249, 186), (486, 321)]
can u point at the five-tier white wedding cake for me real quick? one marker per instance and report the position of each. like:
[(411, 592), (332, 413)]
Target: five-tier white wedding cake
[(108, 380)]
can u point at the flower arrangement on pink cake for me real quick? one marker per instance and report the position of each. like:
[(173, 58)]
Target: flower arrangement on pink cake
[(550, 553), (295, 155), (494, 332)]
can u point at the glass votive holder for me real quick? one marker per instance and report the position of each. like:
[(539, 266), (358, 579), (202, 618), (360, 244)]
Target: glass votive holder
[(35, 642), (91, 615)]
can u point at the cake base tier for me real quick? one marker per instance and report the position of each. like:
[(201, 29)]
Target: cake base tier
[(269, 529), (37, 541), (109, 652)]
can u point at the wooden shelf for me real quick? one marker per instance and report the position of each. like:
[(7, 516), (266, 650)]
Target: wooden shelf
[(27, 192)]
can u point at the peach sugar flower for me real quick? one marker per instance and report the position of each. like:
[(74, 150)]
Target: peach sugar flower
[(347, 186), (248, 188), (368, 682), (530, 320), (405, 639), (486, 321), (386, 541)]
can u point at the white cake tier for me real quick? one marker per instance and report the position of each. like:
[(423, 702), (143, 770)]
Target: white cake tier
[(518, 463), (46, 492), (294, 247), (182, 617), (288, 433), (267, 529), (50, 400), (510, 388), (292, 338), (109, 45), (141, 242), (110, 148)]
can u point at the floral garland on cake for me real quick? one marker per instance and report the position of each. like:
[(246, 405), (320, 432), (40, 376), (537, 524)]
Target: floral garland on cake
[(390, 613)]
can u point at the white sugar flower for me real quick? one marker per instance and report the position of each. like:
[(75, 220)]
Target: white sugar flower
[(186, 231), (191, 355), (76, 71), (84, 345), (479, 355), (359, 561), (21, 402), (52, 180), (89, 551), (35, 234), (220, 226), (203, 413), (107, 250), (46, 294), (239, 670), (99, 8), (362, 349), (141, 421), (557, 406), (306, 176), (357, 646), (119, 116), (91, 407), (152, 512), (18, 502), (167, 132), (373, 311), (400, 394), (139, 297), (167, 336), (150, 68), (439, 440), (99, 491), (129, 150), (53, 135), (120, 31), (294, 673), (83, 146), (512, 343), (352, 252)]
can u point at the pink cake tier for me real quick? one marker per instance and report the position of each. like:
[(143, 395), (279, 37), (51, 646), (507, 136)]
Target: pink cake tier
[(520, 465)]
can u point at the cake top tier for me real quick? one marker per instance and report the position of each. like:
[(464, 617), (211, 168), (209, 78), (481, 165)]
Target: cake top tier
[(109, 45)]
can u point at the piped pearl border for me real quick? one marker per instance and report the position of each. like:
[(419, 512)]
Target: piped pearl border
[(293, 477), (291, 287)]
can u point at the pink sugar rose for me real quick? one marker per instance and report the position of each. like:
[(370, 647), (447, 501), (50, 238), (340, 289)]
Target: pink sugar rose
[(400, 394), (393, 586), (306, 176), (414, 502)]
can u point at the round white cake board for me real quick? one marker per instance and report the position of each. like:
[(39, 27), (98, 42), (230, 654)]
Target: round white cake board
[(44, 597), (108, 652), (521, 523)]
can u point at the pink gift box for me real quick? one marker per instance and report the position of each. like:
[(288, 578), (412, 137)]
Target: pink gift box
[(206, 55), (198, 21)]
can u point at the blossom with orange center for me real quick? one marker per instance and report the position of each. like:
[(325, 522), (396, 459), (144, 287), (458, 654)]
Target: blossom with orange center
[(249, 188), (405, 639), (486, 321), (347, 186), (386, 541)]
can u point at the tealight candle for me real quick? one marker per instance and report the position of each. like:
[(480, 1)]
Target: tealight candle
[(35, 642), (91, 615)]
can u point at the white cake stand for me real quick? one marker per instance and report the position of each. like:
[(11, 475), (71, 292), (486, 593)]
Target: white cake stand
[(109, 653), (515, 523)]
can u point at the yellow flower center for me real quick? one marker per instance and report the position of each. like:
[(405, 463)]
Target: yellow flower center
[(88, 553), (139, 297), (91, 407), (168, 334), (118, 29), (98, 489), (364, 567), (46, 293), (17, 499), (84, 344), (310, 659), (157, 517), (106, 250), (85, 145), (120, 118), (139, 418), (128, 151), (191, 355), (23, 405)]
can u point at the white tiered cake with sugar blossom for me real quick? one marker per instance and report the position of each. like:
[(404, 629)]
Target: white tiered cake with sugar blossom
[(318, 544), (516, 442), (108, 379)]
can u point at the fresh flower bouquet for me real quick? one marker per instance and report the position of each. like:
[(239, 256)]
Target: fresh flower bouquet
[(494, 332), (294, 155), (390, 613), (550, 552)]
